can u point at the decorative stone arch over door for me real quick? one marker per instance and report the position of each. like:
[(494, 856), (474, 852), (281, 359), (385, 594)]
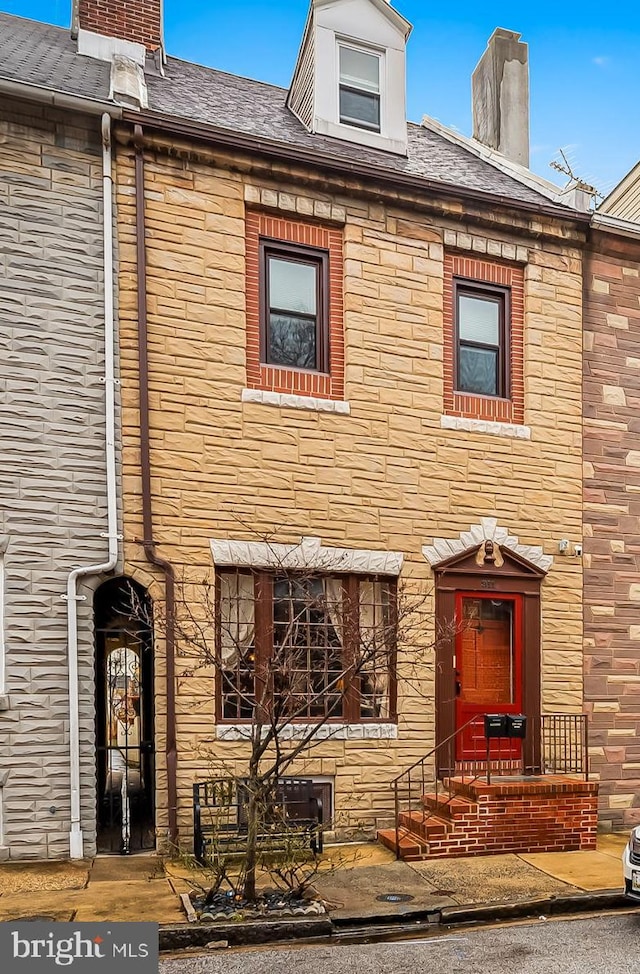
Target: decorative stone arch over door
[(486, 560)]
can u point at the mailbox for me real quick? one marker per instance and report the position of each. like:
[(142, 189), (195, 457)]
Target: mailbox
[(495, 725), (516, 725)]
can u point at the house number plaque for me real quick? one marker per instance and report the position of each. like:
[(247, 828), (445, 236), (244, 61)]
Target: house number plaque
[(487, 583)]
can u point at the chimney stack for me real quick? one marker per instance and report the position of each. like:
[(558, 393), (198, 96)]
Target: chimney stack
[(500, 96), (137, 21)]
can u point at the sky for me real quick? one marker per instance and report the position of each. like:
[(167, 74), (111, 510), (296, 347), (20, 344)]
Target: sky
[(584, 57)]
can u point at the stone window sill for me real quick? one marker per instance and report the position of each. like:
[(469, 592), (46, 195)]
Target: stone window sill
[(490, 426), (333, 732), (5, 703), (267, 398)]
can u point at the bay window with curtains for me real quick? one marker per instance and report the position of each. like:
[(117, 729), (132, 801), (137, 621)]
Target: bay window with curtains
[(295, 646)]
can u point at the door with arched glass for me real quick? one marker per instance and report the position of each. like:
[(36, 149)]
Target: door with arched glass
[(124, 718)]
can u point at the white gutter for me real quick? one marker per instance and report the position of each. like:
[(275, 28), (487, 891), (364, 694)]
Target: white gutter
[(76, 844), (4, 702), (58, 99)]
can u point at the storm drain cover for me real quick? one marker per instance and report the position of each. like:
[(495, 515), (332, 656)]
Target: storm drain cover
[(394, 897)]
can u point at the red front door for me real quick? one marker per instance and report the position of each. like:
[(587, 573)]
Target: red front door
[(488, 666)]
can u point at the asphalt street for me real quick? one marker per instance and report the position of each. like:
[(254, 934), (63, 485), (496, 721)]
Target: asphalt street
[(595, 945)]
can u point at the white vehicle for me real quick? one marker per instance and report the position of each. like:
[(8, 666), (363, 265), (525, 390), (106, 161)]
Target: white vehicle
[(631, 865)]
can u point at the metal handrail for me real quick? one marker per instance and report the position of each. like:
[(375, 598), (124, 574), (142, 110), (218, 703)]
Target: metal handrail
[(421, 763), (433, 750), (558, 744)]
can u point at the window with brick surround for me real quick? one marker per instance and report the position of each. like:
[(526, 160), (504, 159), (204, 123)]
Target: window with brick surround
[(294, 326), (295, 337), (481, 339), (305, 647), (483, 349)]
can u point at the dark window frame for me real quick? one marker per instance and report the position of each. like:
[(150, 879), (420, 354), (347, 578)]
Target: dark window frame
[(263, 646), (502, 297), (296, 253)]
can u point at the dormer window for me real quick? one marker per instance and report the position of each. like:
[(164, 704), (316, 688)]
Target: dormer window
[(359, 88), (349, 79)]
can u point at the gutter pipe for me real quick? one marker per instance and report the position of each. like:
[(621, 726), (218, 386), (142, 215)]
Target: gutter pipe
[(58, 99), (76, 843), (148, 543)]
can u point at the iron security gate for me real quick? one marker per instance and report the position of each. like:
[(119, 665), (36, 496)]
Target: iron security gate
[(124, 721)]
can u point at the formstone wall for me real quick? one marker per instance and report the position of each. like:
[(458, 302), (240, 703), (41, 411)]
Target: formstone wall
[(387, 475), (52, 482)]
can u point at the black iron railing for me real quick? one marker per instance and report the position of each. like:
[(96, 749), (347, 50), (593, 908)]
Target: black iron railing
[(554, 744), (220, 821)]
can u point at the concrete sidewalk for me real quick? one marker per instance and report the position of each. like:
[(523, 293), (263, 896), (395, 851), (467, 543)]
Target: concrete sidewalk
[(362, 887)]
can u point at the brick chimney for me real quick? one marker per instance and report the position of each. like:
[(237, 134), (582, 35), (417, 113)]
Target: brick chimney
[(500, 96), (138, 21)]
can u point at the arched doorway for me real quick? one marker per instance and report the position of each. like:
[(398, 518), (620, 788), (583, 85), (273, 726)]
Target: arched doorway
[(124, 718)]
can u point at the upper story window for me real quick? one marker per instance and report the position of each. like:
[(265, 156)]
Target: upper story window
[(294, 319), (349, 79), (294, 306), (482, 339), (359, 88)]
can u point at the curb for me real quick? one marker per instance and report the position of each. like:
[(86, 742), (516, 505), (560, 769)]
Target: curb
[(251, 932), (244, 933), (545, 906)]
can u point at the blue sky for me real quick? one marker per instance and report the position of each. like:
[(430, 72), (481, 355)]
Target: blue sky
[(585, 83)]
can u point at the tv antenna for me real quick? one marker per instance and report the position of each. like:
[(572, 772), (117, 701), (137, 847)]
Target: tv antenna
[(566, 169)]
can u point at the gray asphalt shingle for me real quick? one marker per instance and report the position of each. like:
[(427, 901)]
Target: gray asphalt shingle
[(38, 54)]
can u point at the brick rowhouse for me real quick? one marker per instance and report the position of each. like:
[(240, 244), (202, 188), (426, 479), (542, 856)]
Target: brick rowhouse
[(612, 522)]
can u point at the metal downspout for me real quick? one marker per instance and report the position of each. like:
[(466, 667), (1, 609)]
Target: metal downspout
[(76, 842), (145, 472)]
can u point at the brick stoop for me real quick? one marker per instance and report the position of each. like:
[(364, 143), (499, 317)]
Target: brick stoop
[(551, 813)]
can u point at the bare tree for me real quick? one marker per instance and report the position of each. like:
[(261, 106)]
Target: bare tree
[(295, 650)]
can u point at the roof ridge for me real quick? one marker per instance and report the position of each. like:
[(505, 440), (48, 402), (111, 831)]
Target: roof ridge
[(499, 161)]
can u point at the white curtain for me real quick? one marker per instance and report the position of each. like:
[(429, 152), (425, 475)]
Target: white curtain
[(237, 616), (369, 594), (333, 599), (375, 675)]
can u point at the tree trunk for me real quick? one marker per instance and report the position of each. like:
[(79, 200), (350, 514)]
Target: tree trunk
[(254, 812)]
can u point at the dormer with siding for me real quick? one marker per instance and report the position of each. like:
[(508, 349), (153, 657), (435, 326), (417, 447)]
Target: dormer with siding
[(623, 202), (349, 80)]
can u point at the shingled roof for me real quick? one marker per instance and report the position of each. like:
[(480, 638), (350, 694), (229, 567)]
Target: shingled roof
[(37, 54)]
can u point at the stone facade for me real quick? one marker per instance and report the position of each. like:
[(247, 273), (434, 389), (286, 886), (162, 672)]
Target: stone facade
[(612, 521), (53, 506), (384, 475)]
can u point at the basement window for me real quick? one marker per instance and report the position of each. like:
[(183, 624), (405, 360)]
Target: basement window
[(359, 88)]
